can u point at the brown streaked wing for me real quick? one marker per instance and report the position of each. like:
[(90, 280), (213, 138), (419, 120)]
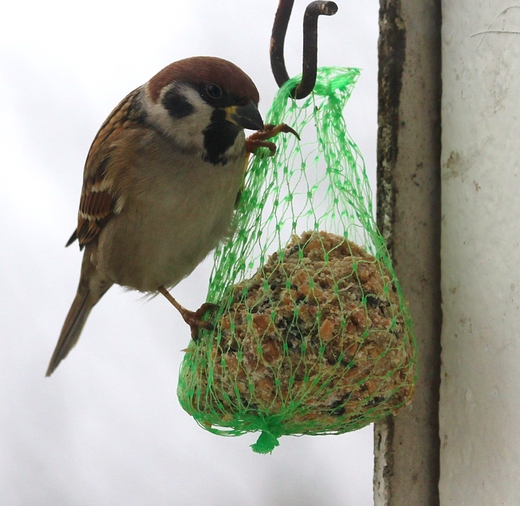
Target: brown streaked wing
[(98, 195), (95, 208)]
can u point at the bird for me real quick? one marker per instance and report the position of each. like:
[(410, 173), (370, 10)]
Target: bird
[(160, 184)]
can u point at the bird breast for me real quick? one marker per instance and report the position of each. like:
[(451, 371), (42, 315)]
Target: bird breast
[(179, 209)]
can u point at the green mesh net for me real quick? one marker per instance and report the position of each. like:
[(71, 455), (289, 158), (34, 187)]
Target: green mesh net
[(312, 333)]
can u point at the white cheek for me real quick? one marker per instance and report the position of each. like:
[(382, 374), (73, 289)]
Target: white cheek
[(187, 131)]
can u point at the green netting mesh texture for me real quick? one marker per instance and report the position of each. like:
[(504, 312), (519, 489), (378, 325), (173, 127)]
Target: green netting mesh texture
[(312, 333)]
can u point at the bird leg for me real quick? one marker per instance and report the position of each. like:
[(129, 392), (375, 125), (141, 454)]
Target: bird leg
[(259, 139), (192, 318)]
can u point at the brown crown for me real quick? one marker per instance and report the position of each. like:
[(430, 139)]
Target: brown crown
[(205, 69)]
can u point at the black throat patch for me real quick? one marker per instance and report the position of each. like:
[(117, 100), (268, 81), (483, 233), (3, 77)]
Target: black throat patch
[(219, 136)]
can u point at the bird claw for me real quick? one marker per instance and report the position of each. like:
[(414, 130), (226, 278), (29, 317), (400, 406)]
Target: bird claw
[(259, 139), (192, 318), (195, 321)]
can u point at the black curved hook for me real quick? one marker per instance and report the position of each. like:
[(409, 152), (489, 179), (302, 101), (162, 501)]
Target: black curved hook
[(310, 43)]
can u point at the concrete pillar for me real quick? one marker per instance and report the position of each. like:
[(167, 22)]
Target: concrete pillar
[(480, 399), (407, 446)]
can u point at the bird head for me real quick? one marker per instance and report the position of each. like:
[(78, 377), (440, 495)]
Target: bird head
[(203, 104)]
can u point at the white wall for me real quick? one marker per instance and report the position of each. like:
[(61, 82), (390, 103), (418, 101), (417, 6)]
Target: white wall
[(480, 398)]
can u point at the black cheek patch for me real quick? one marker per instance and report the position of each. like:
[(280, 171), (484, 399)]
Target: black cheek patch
[(177, 104), (219, 136)]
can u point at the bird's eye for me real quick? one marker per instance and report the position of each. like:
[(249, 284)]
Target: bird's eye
[(213, 91)]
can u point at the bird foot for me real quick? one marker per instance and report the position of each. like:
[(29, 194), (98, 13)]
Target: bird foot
[(192, 318), (259, 139), (195, 321)]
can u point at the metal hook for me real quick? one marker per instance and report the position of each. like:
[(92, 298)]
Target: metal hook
[(310, 44)]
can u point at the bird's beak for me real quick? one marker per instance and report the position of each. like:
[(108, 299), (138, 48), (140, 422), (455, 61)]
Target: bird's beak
[(246, 116)]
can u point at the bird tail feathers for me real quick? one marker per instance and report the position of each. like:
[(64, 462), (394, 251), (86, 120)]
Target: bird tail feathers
[(74, 323), (92, 286)]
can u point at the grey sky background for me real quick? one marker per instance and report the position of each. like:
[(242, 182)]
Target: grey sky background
[(106, 428)]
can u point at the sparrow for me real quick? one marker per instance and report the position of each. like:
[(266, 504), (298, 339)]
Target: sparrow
[(160, 184)]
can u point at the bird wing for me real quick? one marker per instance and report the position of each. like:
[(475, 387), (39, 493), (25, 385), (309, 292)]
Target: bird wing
[(100, 198)]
